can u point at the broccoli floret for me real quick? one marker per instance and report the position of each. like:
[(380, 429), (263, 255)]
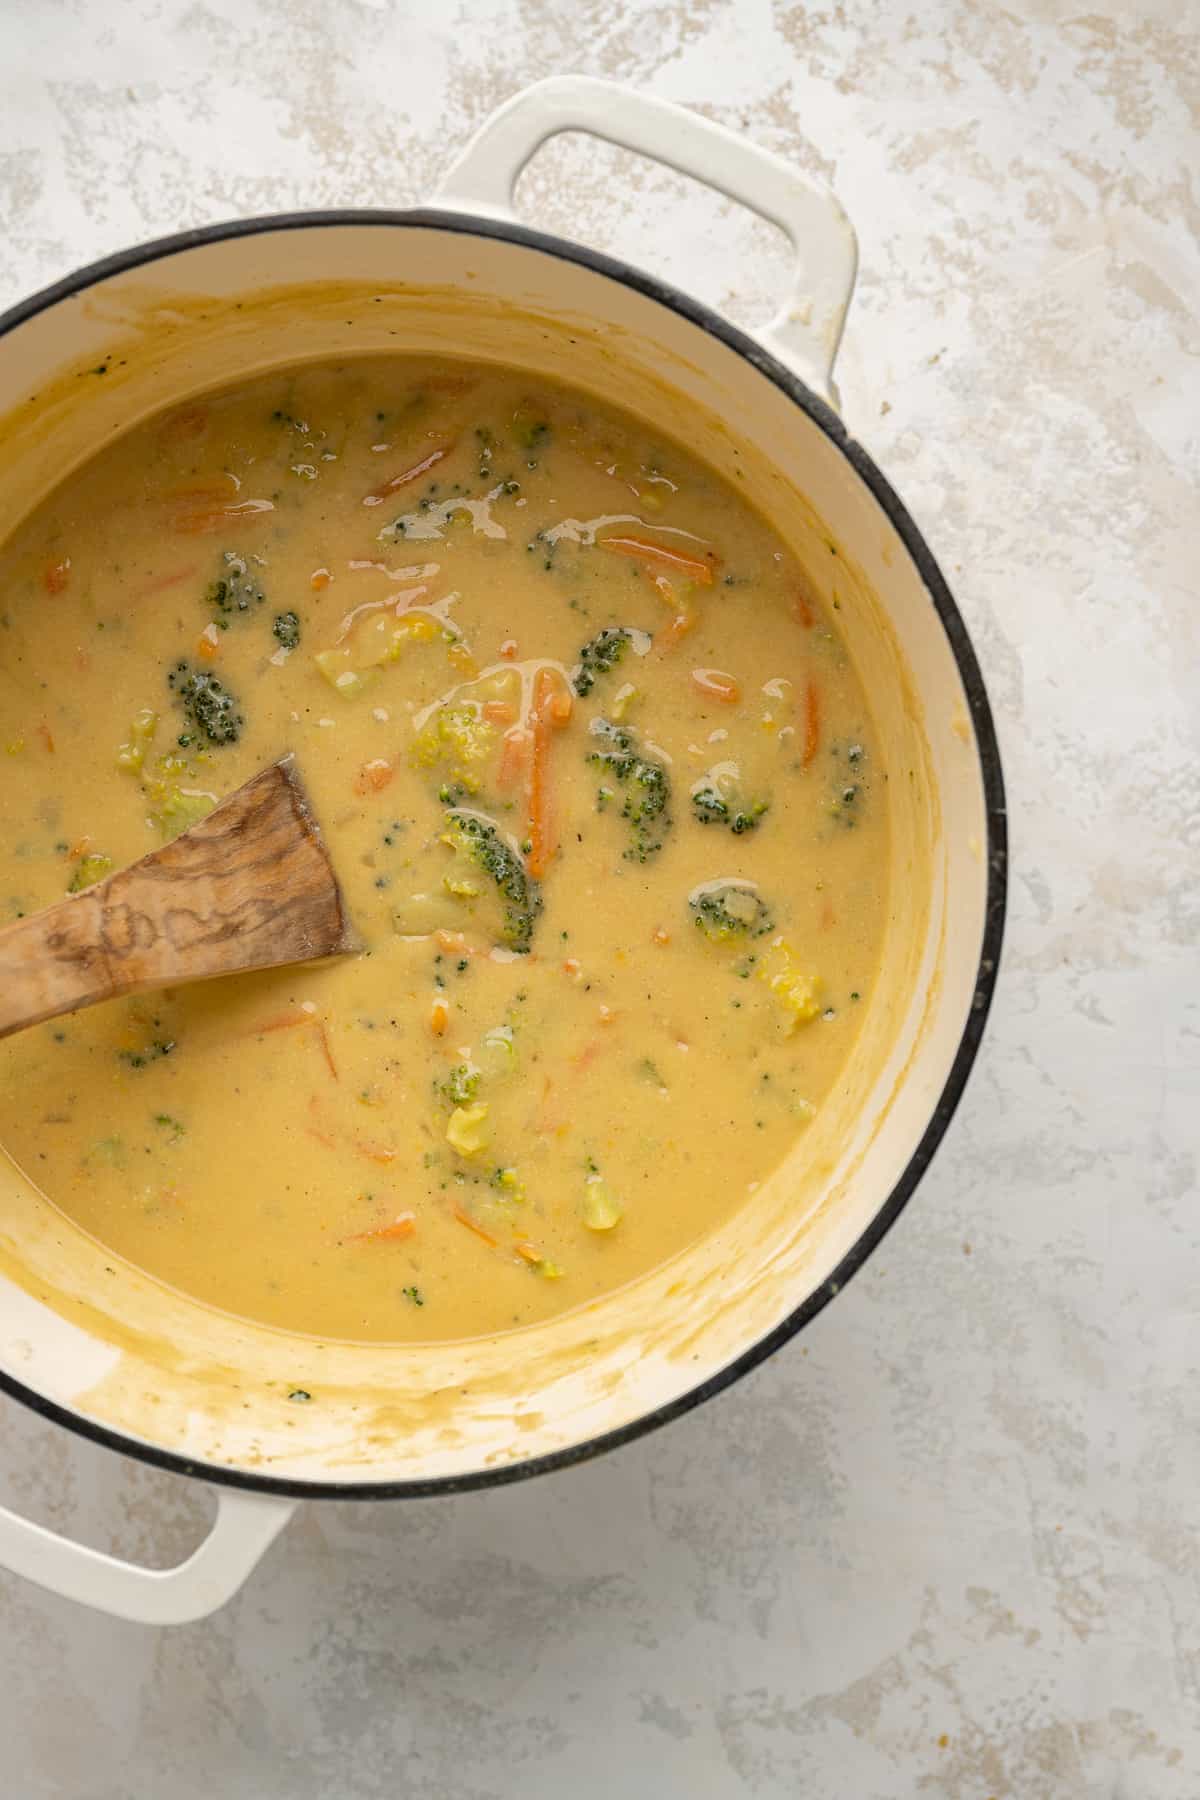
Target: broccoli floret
[(461, 1085), (730, 910), (718, 799), (646, 784), (530, 431), (235, 591), (599, 655), (478, 841), (174, 807), (287, 629), (457, 739), (209, 705), (89, 871)]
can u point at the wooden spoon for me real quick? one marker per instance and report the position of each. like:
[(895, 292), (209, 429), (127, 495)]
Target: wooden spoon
[(250, 887)]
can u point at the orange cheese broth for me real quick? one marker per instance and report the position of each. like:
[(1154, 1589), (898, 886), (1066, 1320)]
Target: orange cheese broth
[(459, 1131)]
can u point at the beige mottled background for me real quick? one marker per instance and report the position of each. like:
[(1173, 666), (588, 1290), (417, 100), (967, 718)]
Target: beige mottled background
[(946, 1544)]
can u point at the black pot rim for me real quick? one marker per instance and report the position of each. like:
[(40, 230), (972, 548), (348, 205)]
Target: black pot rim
[(997, 840)]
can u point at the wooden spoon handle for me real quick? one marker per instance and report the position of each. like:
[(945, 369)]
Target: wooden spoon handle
[(249, 887)]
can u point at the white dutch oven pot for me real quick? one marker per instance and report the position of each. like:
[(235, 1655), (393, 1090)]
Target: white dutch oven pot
[(102, 1349)]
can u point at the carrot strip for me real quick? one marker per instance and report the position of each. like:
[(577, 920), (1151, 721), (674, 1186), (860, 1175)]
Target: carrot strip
[(163, 582), (376, 1153), (374, 776), (715, 684), (803, 610), (326, 1052), (380, 494), (322, 1137), (498, 712), (208, 644), (188, 422), (645, 550), (559, 704), (812, 724), (439, 1016), (542, 846), (56, 575), (282, 1022), (192, 524), (528, 1253), (44, 732), (669, 636), (454, 943), (464, 1218), (320, 578), (400, 1228)]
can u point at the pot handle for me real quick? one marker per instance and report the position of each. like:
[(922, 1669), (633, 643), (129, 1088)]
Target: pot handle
[(245, 1525), (807, 330)]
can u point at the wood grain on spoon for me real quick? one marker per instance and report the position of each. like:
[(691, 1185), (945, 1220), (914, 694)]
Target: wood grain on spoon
[(249, 887)]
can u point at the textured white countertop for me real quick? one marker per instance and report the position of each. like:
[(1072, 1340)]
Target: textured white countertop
[(945, 1543)]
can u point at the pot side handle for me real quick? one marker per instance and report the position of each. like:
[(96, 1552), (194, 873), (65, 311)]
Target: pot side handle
[(807, 330), (245, 1525)]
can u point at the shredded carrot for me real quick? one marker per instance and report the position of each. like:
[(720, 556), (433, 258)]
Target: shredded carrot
[(660, 935), (56, 575), (326, 1052), (717, 685), (162, 582), (188, 422), (400, 1228), (454, 943), (528, 1253), (450, 384), (803, 610), (320, 578), (537, 786), (376, 1153), (464, 1218), (80, 847), (374, 776), (413, 473), (44, 732), (812, 724), (645, 550), (508, 649), (498, 712), (322, 1137), (670, 634), (560, 704), (439, 1016), (281, 1022), (549, 712), (208, 644), (571, 965), (192, 524)]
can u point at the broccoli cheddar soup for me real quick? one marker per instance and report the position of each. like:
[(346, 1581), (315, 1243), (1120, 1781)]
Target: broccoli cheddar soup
[(601, 786)]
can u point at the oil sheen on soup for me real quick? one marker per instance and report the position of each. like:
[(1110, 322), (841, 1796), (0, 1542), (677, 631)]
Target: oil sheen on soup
[(600, 782)]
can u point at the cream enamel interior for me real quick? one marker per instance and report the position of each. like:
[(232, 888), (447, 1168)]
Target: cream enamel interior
[(122, 1350)]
